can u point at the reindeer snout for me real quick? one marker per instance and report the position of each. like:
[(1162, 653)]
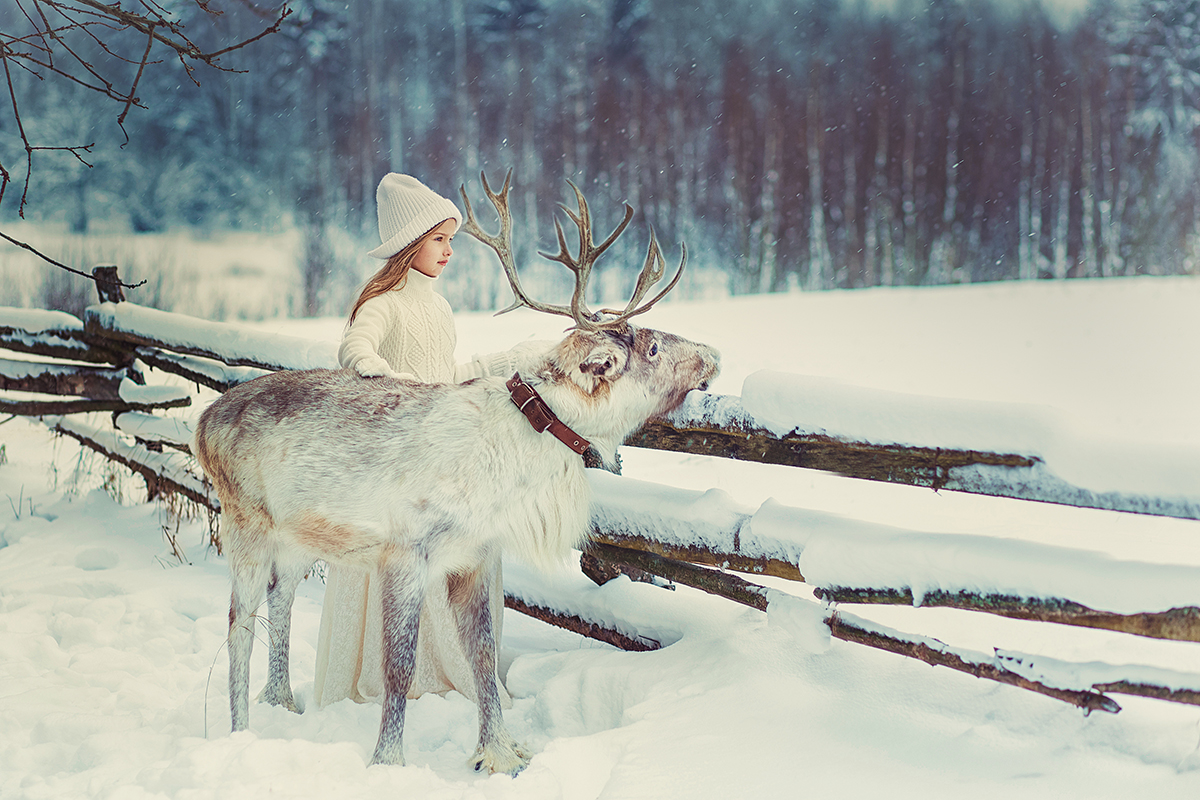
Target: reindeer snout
[(710, 366)]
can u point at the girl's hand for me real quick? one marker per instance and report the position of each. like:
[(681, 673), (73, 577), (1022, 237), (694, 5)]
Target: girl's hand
[(527, 355), (373, 367)]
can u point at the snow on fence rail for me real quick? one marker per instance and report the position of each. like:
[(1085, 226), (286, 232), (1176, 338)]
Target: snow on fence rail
[(645, 529), (1009, 465), (219, 355)]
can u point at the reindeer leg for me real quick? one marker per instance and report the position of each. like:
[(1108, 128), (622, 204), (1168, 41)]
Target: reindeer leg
[(497, 751), (403, 592), (247, 578), (281, 593)]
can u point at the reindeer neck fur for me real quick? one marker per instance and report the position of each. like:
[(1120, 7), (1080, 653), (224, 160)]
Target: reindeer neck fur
[(605, 412), (543, 515)]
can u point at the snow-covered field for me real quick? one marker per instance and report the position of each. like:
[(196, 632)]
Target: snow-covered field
[(112, 667)]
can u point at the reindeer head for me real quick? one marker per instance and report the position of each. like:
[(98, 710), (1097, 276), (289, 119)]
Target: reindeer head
[(635, 373)]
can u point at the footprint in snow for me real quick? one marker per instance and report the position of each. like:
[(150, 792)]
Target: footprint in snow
[(95, 558)]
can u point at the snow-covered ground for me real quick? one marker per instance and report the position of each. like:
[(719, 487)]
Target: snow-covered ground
[(112, 667)]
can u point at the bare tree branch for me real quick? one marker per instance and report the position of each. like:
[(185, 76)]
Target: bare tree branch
[(61, 30), (58, 264)]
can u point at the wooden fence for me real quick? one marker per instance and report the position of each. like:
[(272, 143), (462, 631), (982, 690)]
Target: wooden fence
[(100, 363)]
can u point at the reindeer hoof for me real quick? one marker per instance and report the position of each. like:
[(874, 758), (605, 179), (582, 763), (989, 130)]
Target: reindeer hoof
[(284, 699), (387, 756), (377, 760), (507, 758)]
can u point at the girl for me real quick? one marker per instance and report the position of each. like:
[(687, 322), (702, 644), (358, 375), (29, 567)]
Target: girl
[(401, 328)]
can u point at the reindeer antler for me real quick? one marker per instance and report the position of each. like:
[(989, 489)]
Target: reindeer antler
[(502, 243), (581, 264)]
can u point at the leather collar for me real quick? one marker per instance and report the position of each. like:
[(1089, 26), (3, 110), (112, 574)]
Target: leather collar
[(540, 416)]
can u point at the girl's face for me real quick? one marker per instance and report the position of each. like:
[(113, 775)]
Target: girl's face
[(434, 254)]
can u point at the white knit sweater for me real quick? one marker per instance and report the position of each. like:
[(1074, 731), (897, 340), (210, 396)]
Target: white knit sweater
[(407, 330), (406, 333), (409, 333)]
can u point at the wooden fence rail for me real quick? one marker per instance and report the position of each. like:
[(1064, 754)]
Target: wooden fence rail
[(712, 425), (127, 339)]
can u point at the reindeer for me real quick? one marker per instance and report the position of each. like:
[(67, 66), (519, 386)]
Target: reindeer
[(427, 482)]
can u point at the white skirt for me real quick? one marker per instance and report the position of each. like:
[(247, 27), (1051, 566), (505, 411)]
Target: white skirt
[(350, 641)]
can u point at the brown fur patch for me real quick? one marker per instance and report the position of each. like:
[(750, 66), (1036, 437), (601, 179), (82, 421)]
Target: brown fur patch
[(599, 395), (461, 586), (251, 521), (294, 399), (318, 534), (595, 396), (386, 406)]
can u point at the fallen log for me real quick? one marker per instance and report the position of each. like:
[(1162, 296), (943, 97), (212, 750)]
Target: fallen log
[(55, 408), (1061, 676), (1188, 696), (848, 631), (749, 594), (131, 324), (64, 344), (718, 425), (1181, 624), (742, 441), (577, 624), (201, 371), (53, 334), (707, 580), (155, 432), (697, 554), (164, 473), (95, 383)]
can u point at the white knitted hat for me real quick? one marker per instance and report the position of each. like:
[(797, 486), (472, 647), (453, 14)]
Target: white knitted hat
[(407, 209)]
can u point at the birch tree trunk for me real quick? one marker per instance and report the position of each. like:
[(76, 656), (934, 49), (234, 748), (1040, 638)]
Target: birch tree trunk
[(1062, 201), (1026, 244), (819, 266), (1089, 268), (851, 246), (944, 255), (908, 197), (768, 279), (884, 219)]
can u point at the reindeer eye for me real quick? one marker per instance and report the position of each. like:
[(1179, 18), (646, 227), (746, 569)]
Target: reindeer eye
[(653, 350)]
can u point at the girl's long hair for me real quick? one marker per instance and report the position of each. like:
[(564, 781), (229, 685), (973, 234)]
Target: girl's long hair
[(393, 274)]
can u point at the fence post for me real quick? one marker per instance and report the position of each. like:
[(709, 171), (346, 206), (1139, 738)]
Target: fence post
[(108, 285)]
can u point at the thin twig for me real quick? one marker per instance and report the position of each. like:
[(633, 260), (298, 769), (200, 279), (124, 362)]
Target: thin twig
[(274, 28), (132, 98), (58, 264)]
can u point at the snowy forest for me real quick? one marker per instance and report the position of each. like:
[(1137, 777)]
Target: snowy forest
[(806, 144)]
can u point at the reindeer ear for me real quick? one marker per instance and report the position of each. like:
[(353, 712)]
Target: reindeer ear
[(590, 358), (598, 364), (604, 360)]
